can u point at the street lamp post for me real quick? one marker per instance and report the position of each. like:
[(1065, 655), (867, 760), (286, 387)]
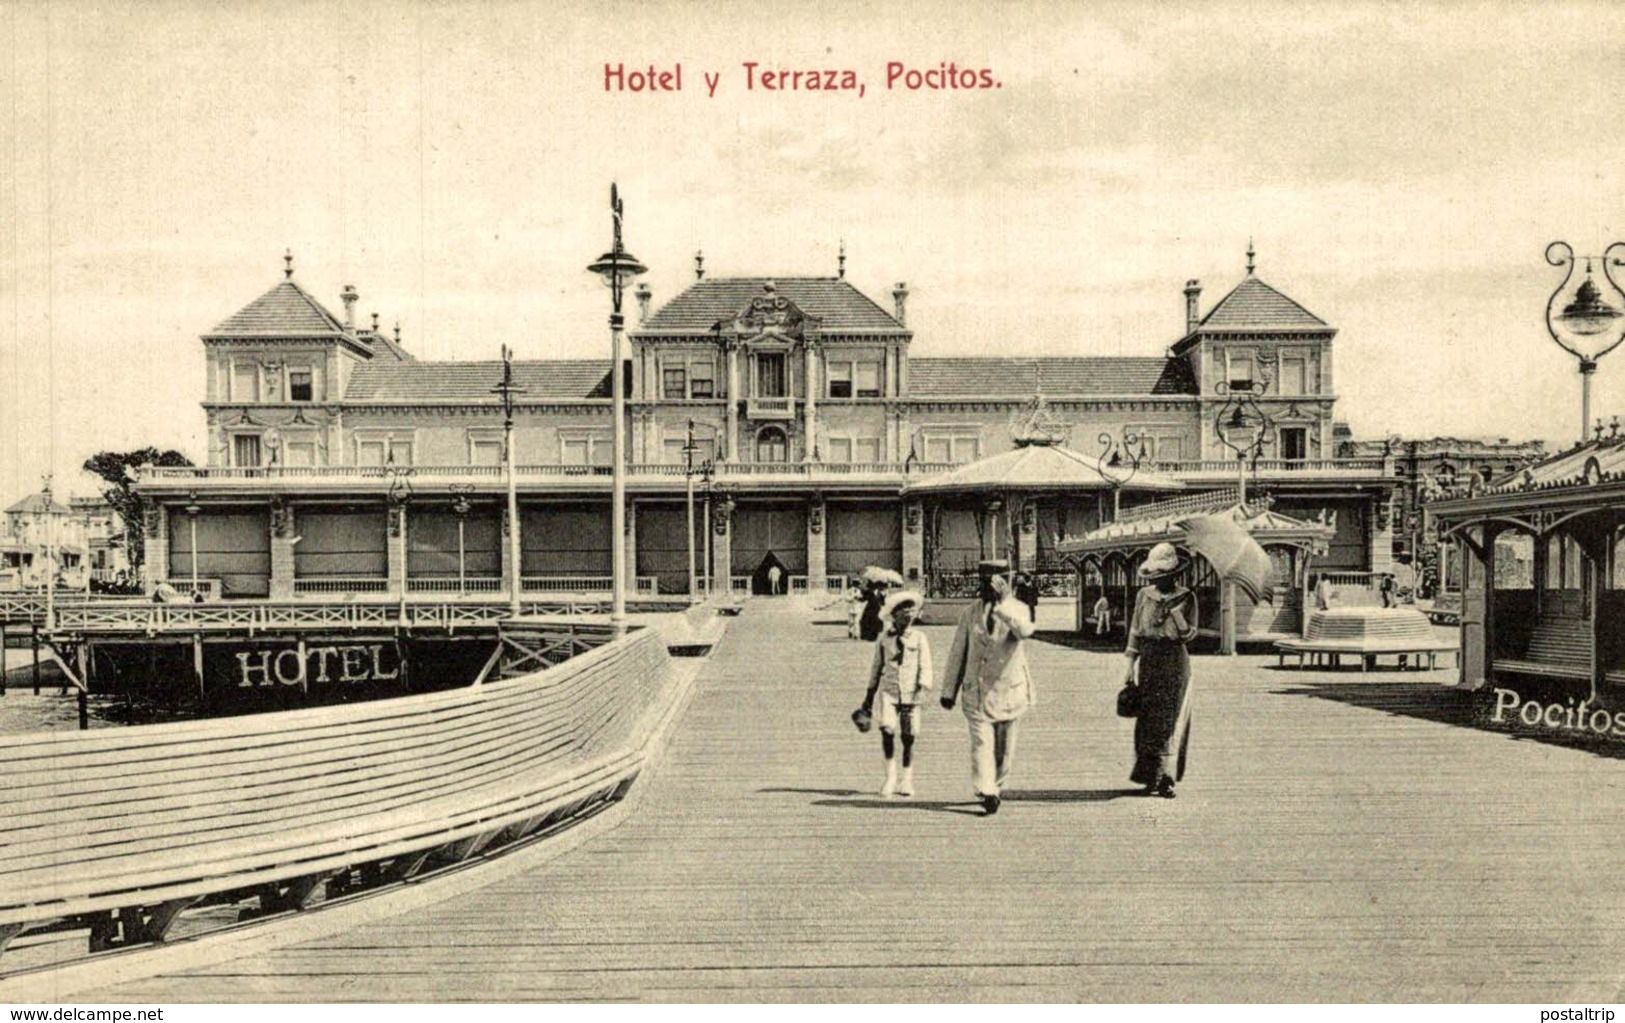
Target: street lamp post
[(50, 562), (1585, 319), (618, 268), (1242, 425), (507, 389), (689, 448), (705, 475), (192, 509), (1117, 470)]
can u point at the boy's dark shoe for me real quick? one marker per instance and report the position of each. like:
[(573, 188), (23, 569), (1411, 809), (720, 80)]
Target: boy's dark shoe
[(990, 805)]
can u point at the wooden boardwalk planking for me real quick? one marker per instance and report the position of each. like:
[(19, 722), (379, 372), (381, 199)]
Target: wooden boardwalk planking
[(1339, 837)]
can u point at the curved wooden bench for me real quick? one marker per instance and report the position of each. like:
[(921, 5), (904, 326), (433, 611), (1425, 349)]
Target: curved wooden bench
[(1365, 633), (123, 828)]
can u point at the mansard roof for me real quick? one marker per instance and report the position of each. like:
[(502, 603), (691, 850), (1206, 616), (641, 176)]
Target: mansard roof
[(841, 307), (470, 383), (1056, 377), (286, 311)]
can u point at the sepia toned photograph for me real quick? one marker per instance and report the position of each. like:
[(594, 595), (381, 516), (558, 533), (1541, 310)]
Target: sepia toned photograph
[(709, 502)]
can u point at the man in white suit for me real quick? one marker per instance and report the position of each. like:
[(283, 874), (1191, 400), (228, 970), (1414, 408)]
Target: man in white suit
[(987, 668)]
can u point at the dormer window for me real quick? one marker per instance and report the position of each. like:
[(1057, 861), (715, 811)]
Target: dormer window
[(301, 386)]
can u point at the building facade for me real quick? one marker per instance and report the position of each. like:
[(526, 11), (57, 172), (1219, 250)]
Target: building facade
[(85, 536), (1426, 469), (340, 463)]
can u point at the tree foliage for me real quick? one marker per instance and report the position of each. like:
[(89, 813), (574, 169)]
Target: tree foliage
[(117, 469)]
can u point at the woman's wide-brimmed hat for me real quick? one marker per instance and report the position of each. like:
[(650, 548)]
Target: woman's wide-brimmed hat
[(897, 600), (996, 566), (1163, 560)]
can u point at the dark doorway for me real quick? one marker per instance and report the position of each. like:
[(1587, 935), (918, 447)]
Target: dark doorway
[(763, 582)]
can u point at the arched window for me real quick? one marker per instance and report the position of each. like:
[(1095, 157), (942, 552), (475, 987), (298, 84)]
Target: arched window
[(771, 445), (1446, 475)]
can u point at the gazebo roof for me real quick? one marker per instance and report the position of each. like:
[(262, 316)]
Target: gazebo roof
[(1267, 527), (1035, 467)]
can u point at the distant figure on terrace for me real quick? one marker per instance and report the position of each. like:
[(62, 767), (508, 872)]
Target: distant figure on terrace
[(1103, 616), (773, 574), (1163, 622)]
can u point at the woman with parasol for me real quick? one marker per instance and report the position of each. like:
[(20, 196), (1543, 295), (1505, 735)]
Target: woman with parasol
[(876, 582), (1162, 623)]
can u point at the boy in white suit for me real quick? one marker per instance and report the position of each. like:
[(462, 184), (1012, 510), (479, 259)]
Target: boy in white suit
[(899, 675)]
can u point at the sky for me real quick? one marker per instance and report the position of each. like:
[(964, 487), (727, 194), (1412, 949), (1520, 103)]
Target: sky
[(1400, 170)]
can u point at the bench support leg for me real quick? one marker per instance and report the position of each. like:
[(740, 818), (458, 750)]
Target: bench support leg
[(7, 932), (301, 892), (404, 868), (161, 917)]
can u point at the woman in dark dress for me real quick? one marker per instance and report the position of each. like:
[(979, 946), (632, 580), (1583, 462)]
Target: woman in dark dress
[(1163, 622), (870, 626)]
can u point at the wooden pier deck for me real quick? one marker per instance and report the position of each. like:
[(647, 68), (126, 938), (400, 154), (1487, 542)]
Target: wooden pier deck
[(1340, 837)]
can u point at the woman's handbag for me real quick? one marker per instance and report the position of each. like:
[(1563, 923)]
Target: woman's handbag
[(1129, 702)]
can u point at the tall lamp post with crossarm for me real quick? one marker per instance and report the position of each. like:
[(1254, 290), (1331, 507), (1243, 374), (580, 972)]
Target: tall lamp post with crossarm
[(1585, 318), (507, 389), (617, 268)]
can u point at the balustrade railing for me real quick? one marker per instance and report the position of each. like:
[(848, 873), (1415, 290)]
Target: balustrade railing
[(643, 584), (493, 473), (454, 585), (341, 584)]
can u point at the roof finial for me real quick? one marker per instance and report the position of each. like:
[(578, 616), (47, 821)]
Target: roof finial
[(699, 264), (287, 265), (840, 262), (375, 323), (1250, 256), (397, 331)]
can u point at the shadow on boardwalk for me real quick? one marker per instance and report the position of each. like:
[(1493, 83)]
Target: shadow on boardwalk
[(853, 799), (1460, 708)]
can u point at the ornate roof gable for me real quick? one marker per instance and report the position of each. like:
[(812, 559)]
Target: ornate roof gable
[(772, 314)]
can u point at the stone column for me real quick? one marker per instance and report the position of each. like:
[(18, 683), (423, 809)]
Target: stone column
[(913, 543), (156, 568), (283, 530), (1026, 530), (810, 379), (730, 353), (396, 549), (1381, 532), (817, 543), (722, 546)]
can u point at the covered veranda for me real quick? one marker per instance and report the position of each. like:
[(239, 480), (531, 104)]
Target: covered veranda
[(1559, 623), (1107, 560), (1016, 505)]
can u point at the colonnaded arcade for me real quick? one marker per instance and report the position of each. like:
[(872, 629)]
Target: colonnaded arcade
[(815, 436)]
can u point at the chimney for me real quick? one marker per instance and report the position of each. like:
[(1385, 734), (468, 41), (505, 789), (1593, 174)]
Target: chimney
[(1193, 291), (350, 298), (899, 296), (644, 293)]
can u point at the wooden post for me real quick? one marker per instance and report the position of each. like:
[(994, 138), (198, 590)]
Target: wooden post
[(33, 631), (2, 661)]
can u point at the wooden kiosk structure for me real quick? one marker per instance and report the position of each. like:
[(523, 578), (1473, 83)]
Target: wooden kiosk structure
[(1107, 561), (1565, 621)]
